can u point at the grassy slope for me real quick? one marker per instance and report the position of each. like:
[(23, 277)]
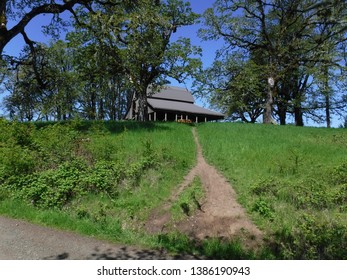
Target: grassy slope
[(291, 180)]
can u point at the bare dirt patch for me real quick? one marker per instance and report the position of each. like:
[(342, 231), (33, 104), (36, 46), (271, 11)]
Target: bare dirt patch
[(220, 214)]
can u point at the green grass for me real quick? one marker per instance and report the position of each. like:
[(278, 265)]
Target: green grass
[(189, 201), (291, 180)]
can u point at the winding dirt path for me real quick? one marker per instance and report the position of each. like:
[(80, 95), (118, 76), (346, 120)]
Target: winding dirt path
[(220, 215)]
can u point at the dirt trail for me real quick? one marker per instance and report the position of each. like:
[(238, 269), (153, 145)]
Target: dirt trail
[(220, 215)]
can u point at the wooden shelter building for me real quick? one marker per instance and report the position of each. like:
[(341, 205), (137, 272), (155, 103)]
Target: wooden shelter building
[(174, 104)]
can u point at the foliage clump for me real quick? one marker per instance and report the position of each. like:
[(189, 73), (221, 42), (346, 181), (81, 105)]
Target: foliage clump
[(314, 236), (56, 164)]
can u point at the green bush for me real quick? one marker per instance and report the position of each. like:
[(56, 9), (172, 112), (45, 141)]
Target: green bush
[(51, 188), (16, 161), (56, 167), (16, 154), (105, 177), (55, 144), (16, 133), (339, 174), (315, 237), (264, 208)]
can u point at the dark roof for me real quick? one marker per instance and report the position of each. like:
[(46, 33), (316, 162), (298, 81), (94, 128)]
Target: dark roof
[(174, 93), (178, 100), (177, 106)]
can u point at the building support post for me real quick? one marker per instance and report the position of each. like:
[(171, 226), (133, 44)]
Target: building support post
[(150, 117), (155, 116), (176, 118), (205, 119), (165, 117), (196, 119)]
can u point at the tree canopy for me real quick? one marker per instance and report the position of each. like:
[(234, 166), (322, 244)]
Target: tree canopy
[(115, 52), (288, 40)]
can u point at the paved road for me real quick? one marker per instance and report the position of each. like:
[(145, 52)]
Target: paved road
[(20, 240)]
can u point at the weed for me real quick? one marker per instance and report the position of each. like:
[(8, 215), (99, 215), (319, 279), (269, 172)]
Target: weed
[(263, 208), (188, 201)]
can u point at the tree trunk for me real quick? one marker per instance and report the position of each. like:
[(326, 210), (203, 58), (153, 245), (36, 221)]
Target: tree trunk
[(282, 113), (267, 116), (327, 96), (298, 116), (142, 109), (327, 110), (101, 111), (3, 26), (58, 111)]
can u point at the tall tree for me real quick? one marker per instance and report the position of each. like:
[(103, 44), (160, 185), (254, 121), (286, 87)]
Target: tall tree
[(24, 90), (137, 35), (46, 80), (286, 33), (235, 85)]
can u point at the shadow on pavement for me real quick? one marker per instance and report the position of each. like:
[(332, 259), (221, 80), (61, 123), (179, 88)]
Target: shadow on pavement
[(125, 253)]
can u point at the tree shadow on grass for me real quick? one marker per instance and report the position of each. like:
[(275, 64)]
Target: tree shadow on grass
[(114, 127)]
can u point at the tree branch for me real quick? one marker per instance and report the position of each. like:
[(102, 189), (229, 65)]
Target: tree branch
[(31, 45), (7, 35)]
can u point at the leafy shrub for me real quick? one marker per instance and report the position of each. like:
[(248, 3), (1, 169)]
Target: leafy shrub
[(316, 193), (55, 144), (51, 188), (264, 208), (339, 174), (15, 161), (49, 174), (104, 177), (15, 133), (16, 156), (268, 186), (309, 193), (315, 237), (149, 154)]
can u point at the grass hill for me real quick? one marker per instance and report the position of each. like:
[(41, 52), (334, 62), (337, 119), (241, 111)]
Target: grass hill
[(104, 178), (292, 181)]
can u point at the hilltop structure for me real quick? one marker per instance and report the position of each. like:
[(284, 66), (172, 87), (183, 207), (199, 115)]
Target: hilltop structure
[(174, 104)]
